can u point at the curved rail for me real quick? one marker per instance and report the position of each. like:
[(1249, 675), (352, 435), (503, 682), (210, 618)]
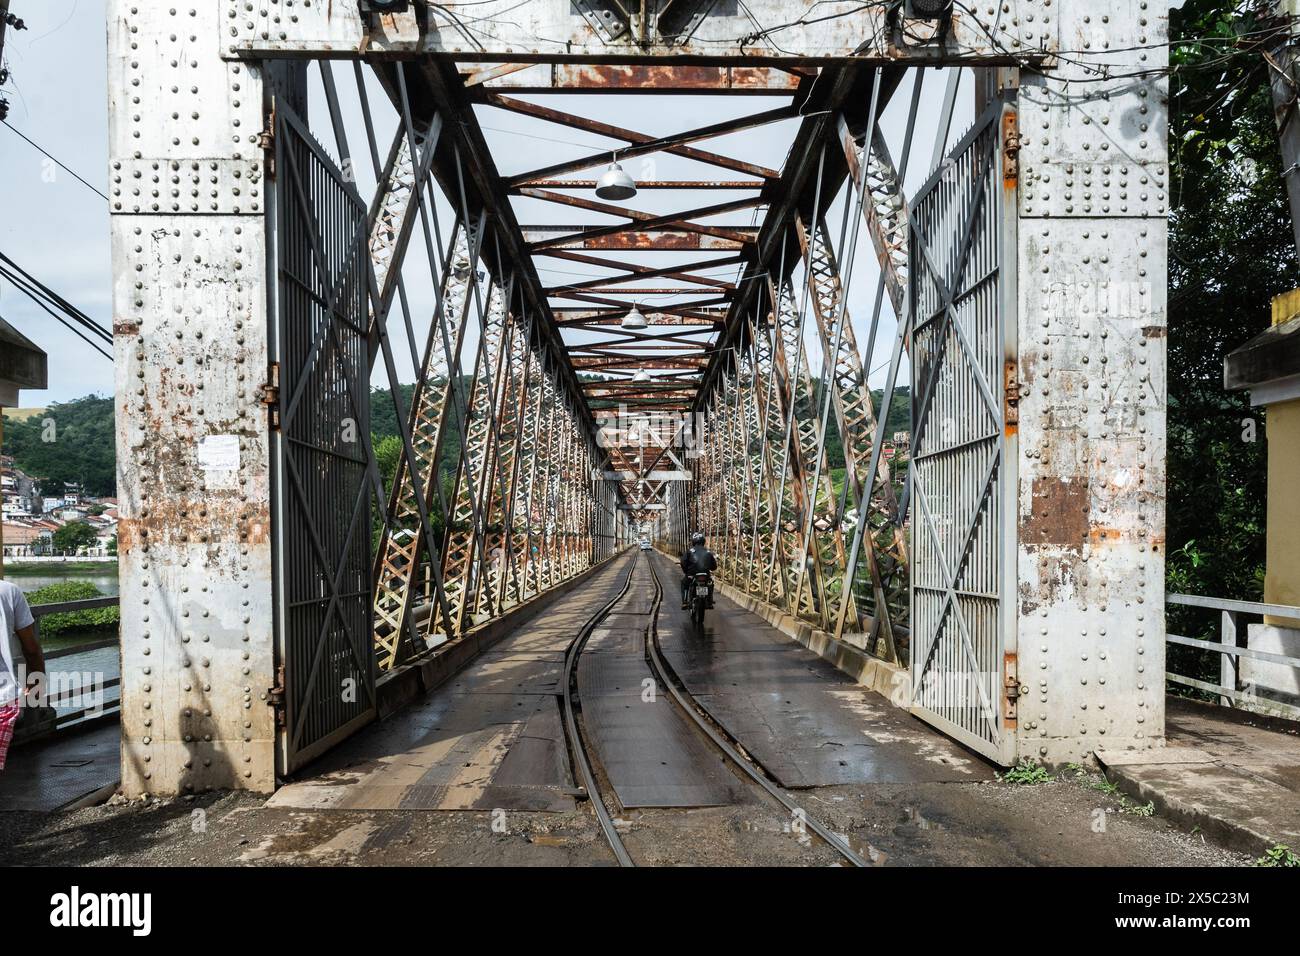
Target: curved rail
[(709, 725), (576, 744)]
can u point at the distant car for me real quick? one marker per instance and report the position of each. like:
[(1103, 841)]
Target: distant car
[(645, 544)]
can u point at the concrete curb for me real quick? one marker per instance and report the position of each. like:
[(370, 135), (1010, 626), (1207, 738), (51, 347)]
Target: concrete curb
[(884, 678), (1158, 782)]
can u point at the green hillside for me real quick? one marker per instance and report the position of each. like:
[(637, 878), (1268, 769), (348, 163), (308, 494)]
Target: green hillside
[(70, 442)]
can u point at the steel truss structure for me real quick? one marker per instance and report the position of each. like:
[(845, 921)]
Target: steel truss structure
[(269, 298)]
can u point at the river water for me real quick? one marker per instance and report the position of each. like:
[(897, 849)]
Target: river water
[(106, 581), (87, 669)]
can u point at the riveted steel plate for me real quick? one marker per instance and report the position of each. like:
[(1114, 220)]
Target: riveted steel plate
[(556, 28), (199, 187), (1093, 190)]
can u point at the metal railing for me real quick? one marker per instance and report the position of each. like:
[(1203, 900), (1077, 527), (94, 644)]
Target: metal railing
[(73, 687), (1232, 648)]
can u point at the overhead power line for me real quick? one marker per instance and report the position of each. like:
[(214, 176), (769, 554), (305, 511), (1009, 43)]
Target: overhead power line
[(66, 314), (54, 159)]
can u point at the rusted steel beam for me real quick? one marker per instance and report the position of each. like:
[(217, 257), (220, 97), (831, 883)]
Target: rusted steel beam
[(657, 78), (642, 144), (639, 238), (597, 320), (480, 77), (650, 184), (648, 352), (639, 393), (684, 271), (590, 362), (668, 405), (680, 220), (618, 304), (649, 290), (638, 216)]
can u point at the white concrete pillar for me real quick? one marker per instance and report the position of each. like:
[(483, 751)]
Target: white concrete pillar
[(190, 323), (1093, 200)]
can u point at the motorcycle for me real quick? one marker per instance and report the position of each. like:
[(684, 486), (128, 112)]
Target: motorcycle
[(701, 596)]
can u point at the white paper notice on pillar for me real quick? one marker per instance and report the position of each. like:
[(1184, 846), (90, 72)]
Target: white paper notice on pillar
[(219, 462)]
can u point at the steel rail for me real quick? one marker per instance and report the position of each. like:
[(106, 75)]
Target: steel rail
[(710, 727), (576, 745)]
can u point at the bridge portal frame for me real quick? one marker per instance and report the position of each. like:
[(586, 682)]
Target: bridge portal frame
[(190, 113)]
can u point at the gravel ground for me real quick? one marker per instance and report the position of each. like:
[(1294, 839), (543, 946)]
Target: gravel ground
[(1065, 821)]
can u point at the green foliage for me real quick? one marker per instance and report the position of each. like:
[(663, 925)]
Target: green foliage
[(79, 446), (1147, 809), (383, 411), (898, 420), (1025, 774), (73, 536), (1278, 855), (1106, 787), (1230, 252), (102, 618), (388, 452)]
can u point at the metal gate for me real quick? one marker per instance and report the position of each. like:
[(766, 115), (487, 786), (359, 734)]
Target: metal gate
[(322, 496), (962, 314)]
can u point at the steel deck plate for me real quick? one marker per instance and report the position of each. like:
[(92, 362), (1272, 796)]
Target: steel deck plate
[(46, 774), (806, 722)]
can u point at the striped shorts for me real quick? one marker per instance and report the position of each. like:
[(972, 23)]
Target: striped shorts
[(8, 718)]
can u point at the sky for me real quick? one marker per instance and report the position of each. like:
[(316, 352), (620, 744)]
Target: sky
[(58, 229)]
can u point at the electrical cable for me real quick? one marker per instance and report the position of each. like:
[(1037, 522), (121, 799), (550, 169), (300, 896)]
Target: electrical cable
[(55, 160)]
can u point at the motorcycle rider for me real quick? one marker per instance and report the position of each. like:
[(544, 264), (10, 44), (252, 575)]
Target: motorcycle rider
[(696, 559)]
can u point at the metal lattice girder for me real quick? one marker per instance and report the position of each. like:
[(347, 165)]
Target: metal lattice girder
[(769, 434), (757, 508), (536, 449), (392, 216), (464, 558), (816, 543), (884, 206), (520, 524), (731, 487), (504, 552), (855, 419), (402, 546)]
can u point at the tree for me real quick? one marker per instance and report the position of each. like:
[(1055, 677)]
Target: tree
[(1230, 252), (101, 618), (74, 536), (72, 442)]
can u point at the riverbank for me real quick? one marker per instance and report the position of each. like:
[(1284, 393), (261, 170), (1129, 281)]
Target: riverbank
[(68, 565)]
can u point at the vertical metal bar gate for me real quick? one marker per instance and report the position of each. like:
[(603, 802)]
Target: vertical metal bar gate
[(963, 470), (322, 518)]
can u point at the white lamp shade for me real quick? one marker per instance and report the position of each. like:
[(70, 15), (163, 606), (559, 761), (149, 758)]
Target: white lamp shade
[(634, 319), (615, 183), (641, 376)]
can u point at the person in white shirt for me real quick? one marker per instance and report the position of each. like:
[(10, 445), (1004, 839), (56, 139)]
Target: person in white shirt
[(16, 626)]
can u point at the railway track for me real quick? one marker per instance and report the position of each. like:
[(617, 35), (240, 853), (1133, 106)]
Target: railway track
[(689, 707)]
